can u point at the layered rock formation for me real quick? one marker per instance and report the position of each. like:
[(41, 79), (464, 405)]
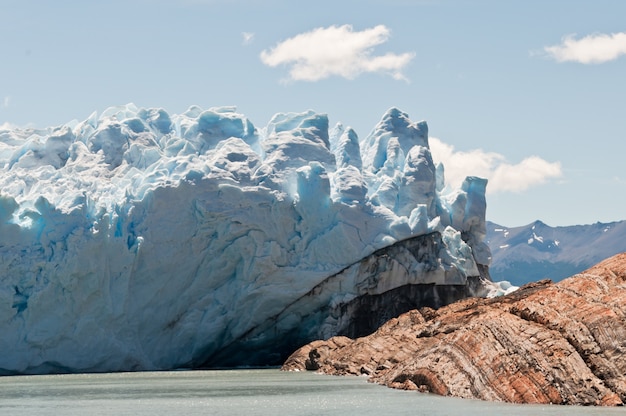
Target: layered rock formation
[(559, 343)]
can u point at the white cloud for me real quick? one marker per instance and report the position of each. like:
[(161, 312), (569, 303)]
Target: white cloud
[(502, 175), (6, 101), (336, 50), (592, 49), (247, 37)]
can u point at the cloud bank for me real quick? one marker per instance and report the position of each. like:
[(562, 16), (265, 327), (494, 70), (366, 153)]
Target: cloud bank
[(336, 51), (502, 175), (592, 49)]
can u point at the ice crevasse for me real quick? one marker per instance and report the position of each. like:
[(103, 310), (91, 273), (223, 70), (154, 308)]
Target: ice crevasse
[(142, 240)]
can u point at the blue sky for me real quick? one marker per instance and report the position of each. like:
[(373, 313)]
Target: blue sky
[(530, 94)]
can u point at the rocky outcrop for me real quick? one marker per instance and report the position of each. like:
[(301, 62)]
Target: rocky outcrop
[(559, 343)]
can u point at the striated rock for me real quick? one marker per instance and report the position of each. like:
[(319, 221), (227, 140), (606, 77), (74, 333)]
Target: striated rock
[(561, 343)]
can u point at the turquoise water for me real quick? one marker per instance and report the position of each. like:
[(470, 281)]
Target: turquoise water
[(238, 392)]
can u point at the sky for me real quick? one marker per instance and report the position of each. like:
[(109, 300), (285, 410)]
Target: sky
[(528, 94)]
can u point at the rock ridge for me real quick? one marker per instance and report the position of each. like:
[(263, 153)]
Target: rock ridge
[(562, 343)]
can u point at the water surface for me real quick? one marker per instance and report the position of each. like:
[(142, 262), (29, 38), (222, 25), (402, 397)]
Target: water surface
[(239, 392)]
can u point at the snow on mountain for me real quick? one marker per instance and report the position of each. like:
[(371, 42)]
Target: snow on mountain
[(139, 240), (537, 251)]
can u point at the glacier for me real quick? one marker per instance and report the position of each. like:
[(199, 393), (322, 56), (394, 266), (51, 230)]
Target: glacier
[(142, 240)]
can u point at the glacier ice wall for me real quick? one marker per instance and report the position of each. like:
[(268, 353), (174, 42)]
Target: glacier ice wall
[(139, 240)]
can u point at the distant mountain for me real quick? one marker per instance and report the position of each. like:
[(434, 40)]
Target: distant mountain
[(537, 251)]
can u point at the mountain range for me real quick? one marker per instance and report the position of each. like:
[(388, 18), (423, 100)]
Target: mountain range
[(538, 251)]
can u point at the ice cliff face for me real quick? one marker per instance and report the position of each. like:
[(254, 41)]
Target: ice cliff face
[(144, 240)]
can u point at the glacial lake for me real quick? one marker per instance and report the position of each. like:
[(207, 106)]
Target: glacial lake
[(239, 392)]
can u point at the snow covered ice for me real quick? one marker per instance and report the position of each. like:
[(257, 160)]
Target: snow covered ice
[(138, 239)]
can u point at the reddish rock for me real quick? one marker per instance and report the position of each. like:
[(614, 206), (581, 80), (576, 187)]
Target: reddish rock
[(561, 343)]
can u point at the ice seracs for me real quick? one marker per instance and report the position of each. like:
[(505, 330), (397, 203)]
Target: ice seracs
[(140, 239)]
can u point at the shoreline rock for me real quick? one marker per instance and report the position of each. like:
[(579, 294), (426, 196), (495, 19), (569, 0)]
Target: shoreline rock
[(561, 343)]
